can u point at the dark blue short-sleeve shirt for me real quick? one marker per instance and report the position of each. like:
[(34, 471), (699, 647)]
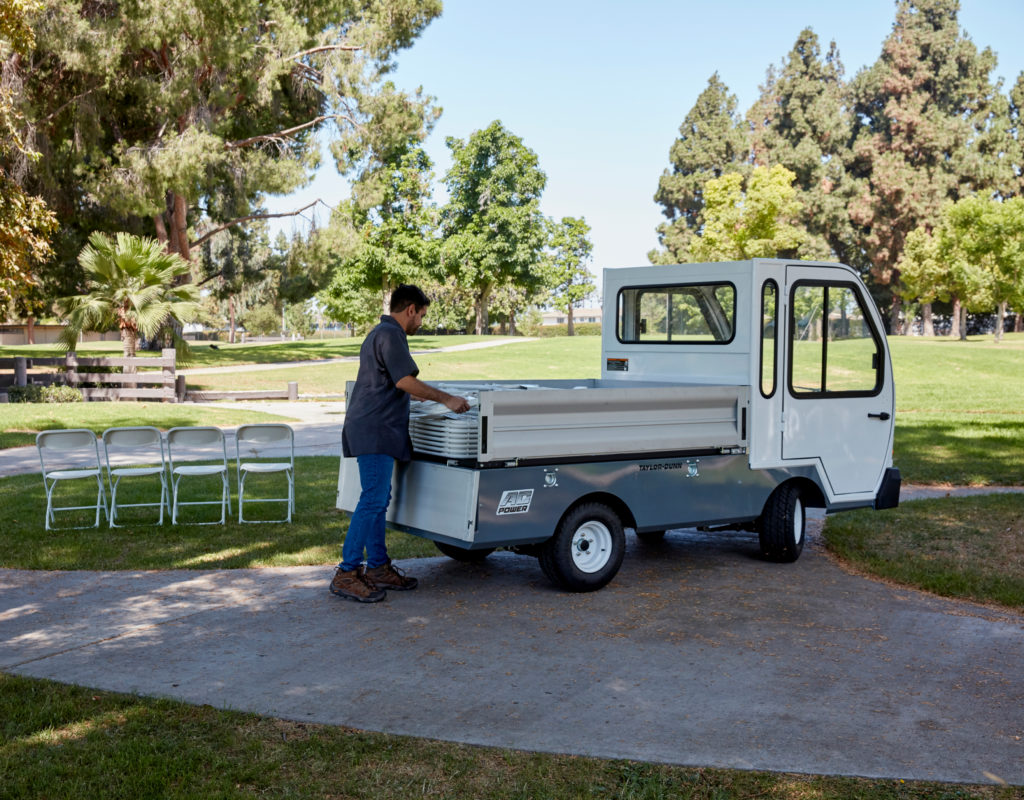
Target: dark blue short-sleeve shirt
[(377, 413)]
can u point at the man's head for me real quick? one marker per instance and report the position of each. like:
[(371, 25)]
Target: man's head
[(408, 305)]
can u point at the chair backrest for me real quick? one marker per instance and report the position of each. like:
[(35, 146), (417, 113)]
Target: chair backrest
[(195, 437), (198, 437), (264, 434), (133, 444), (65, 444), (140, 436)]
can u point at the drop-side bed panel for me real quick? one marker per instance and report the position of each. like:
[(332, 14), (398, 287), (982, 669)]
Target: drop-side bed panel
[(560, 423)]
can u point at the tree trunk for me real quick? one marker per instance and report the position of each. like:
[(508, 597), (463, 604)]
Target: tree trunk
[(512, 322), (161, 229), (954, 330), (927, 324), (895, 324), (1018, 323), (1000, 321), (231, 319), (963, 322), (30, 330), (180, 226), (572, 324), (480, 309), (386, 290)]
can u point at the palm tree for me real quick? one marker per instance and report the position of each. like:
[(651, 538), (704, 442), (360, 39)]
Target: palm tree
[(131, 285)]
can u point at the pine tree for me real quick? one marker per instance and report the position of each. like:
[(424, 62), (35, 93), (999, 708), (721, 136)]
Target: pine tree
[(917, 112), (800, 122), (712, 141)]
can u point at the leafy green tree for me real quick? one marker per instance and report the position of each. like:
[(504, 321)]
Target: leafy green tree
[(917, 111), (262, 320), (800, 122), (759, 222), (131, 285), (390, 225), (175, 120), (492, 226), (975, 257), (713, 141), (570, 251), (25, 221)]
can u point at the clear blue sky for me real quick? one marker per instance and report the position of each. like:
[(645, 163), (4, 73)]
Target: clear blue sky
[(598, 88)]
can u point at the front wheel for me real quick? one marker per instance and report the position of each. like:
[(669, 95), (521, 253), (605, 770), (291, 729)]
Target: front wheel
[(782, 525), (586, 550)]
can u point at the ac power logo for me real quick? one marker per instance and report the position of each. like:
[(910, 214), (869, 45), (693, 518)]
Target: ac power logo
[(515, 501)]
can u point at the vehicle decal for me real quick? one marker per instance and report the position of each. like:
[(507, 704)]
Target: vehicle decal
[(515, 501)]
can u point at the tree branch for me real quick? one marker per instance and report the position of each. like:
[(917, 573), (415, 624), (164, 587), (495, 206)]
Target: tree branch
[(324, 48), (210, 234), (280, 135)]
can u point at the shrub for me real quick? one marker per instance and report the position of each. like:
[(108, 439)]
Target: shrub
[(44, 394), (582, 329)]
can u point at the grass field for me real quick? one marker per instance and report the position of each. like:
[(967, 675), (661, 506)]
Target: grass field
[(67, 741), (313, 537)]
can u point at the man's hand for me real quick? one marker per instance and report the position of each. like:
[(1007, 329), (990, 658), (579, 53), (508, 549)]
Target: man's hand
[(457, 404), (424, 391)]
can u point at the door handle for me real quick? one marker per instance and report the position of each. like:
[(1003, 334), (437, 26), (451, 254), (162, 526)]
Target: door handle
[(882, 416)]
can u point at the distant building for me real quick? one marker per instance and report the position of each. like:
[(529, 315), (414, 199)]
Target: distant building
[(578, 315)]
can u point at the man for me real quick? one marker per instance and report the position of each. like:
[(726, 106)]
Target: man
[(376, 433)]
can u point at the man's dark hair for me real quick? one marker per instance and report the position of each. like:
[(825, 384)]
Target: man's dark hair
[(408, 295)]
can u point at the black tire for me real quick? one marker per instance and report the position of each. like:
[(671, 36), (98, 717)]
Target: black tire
[(462, 554), (586, 549), (651, 537), (782, 527)]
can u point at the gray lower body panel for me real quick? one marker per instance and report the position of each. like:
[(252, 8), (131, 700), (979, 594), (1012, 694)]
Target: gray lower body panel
[(518, 505)]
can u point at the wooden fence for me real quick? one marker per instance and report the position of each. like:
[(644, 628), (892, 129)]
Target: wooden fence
[(158, 383)]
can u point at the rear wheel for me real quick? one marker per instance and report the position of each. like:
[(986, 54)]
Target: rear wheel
[(586, 550), (783, 524), (462, 554)]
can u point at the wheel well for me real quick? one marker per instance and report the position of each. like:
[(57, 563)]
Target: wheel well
[(810, 492), (610, 500)]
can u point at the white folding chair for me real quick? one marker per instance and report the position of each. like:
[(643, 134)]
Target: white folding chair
[(207, 442), (139, 453), (265, 440), (67, 455)]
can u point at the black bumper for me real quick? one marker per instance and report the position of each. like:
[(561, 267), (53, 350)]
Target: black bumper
[(889, 492)]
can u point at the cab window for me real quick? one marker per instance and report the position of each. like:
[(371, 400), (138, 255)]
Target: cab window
[(834, 349), (683, 314)]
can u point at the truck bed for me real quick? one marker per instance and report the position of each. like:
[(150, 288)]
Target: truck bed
[(585, 419)]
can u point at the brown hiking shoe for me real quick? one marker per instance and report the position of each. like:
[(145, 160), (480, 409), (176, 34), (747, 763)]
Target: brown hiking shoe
[(353, 585), (388, 576)]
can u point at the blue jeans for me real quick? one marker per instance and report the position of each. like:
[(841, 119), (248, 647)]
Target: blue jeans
[(366, 528)]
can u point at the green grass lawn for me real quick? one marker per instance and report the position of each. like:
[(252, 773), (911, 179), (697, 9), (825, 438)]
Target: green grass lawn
[(964, 547), (203, 355), (68, 741), (313, 537)]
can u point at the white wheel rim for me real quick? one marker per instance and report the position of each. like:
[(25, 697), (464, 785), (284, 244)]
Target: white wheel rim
[(798, 521), (591, 546)]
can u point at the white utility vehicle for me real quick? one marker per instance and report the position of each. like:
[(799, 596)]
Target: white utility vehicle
[(732, 396)]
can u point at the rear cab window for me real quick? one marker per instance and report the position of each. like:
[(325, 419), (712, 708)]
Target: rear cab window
[(701, 313)]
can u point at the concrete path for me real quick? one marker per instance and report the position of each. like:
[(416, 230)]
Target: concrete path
[(698, 653)]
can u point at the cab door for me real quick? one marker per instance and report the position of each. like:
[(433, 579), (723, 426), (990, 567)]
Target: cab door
[(838, 401)]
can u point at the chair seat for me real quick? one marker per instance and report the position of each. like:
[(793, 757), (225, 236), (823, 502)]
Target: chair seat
[(265, 467), (71, 474), (200, 469), (133, 472)]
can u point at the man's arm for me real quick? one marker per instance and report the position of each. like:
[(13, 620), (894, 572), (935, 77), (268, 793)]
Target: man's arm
[(424, 391)]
